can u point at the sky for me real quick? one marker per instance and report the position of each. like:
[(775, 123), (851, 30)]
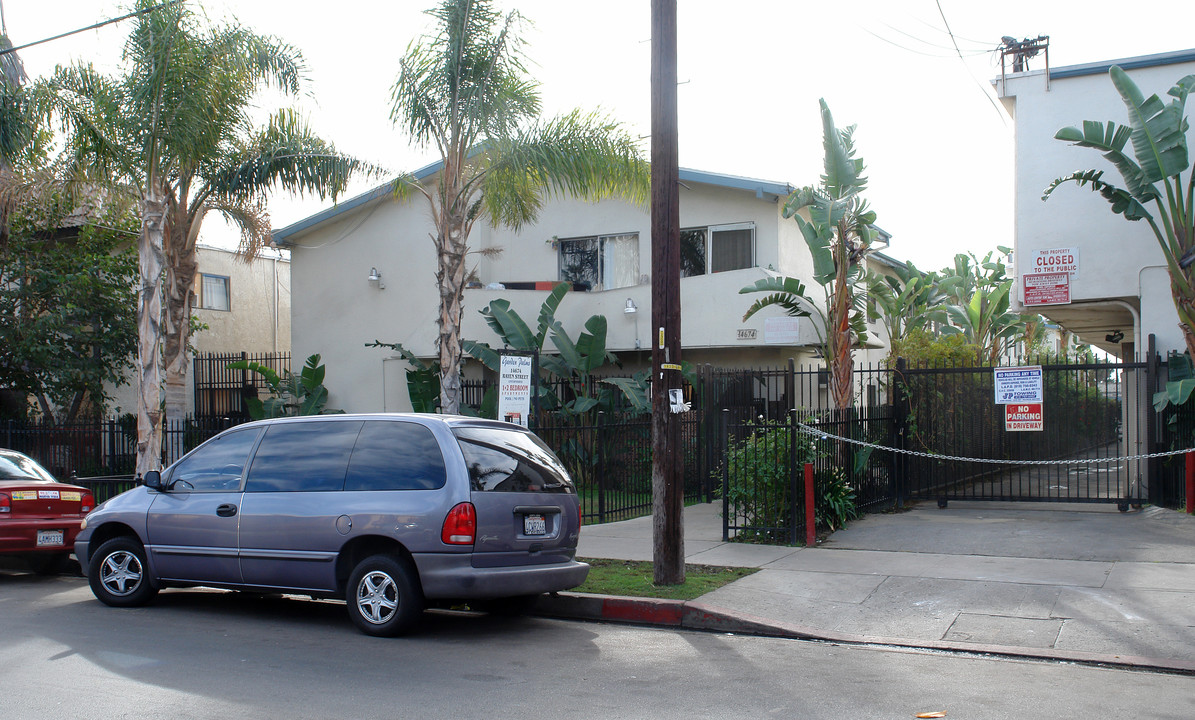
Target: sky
[(937, 146)]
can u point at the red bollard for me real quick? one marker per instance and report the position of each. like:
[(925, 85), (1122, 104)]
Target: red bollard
[(811, 521), (1191, 483)]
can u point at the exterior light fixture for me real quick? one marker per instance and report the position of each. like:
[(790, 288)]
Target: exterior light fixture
[(375, 277), (631, 307), (1115, 336)]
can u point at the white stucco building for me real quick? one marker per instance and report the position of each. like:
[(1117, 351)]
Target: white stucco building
[(1119, 290), (733, 233)]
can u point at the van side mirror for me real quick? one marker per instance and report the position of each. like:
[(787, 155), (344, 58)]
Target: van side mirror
[(153, 479)]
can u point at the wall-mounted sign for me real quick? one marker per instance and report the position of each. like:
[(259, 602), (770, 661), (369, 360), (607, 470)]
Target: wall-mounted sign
[(514, 389), (746, 334), (1023, 416), (782, 331), (1046, 289), (1018, 384), (1052, 260)]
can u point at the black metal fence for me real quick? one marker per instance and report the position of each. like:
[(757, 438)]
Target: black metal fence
[(221, 392), (104, 449), (749, 434)]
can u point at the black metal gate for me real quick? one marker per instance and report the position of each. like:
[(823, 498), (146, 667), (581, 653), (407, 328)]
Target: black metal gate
[(1096, 421)]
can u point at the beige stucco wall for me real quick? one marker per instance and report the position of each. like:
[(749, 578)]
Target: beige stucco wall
[(258, 319), (1118, 259), (336, 310)]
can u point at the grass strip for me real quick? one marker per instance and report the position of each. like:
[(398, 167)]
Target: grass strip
[(634, 579)]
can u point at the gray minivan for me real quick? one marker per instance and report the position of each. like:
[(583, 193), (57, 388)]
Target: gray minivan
[(388, 512)]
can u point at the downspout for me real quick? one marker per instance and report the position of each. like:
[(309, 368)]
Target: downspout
[(276, 297)]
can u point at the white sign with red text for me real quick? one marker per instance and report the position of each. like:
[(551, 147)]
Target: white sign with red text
[(1023, 416), (1053, 260)]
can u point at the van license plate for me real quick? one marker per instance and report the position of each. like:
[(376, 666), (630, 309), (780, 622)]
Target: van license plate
[(535, 525), (49, 538)]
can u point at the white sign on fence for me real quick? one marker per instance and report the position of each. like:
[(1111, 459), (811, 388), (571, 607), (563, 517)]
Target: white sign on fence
[(514, 389), (1018, 384)]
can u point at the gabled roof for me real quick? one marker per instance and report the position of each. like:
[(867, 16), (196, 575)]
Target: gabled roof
[(761, 188)]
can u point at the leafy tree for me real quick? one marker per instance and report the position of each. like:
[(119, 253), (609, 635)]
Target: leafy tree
[(67, 311), (290, 394), (175, 133), (466, 92), (19, 126), (839, 233)]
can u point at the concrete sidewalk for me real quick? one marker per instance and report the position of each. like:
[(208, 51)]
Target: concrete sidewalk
[(1066, 581)]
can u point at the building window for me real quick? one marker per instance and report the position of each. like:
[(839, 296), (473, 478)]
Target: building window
[(604, 262), (214, 293), (717, 248)]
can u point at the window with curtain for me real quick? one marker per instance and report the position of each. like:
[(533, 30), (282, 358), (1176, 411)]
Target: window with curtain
[(214, 293), (605, 262), (731, 248), (716, 248)]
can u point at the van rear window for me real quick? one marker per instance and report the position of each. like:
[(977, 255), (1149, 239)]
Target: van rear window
[(511, 461)]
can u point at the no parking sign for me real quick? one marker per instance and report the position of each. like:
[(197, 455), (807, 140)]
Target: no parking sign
[(1023, 416)]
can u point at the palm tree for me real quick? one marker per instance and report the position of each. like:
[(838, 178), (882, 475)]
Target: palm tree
[(466, 92), (174, 133)]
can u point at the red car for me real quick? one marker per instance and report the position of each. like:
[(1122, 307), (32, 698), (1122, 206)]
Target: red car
[(39, 516)]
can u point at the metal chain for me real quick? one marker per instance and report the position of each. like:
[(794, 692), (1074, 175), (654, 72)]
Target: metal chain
[(828, 436)]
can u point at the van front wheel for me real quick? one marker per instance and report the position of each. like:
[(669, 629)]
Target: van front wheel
[(383, 596)]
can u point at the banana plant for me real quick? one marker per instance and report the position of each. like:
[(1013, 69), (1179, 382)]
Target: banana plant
[(290, 394), (905, 300), (985, 320), (839, 232), (1154, 187)]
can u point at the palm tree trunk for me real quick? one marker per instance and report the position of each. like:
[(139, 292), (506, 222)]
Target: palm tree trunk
[(450, 277), (149, 331), (181, 269)]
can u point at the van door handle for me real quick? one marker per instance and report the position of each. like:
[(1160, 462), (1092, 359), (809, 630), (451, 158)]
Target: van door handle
[(227, 510)]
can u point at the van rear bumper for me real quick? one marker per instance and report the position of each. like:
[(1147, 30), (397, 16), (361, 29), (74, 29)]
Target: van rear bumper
[(453, 576)]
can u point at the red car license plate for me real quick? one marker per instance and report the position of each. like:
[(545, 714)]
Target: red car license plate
[(49, 538), (535, 525)]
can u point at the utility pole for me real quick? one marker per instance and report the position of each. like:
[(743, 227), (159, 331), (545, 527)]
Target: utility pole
[(667, 483)]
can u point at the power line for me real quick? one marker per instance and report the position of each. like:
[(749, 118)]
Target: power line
[(92, 27), (1003, 119)]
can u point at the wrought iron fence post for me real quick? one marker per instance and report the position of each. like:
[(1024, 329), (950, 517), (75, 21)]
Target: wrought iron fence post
[(601, 466), (724, 444), (793, 474), (1152, 383), (898, 434)]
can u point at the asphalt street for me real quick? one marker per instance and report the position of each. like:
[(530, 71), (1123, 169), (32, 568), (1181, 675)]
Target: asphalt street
[(212, 654)]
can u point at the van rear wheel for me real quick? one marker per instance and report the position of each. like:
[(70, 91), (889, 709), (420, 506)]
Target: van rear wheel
[(383, 596)]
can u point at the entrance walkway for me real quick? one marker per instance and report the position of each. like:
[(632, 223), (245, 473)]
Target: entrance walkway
[(1071, 581)]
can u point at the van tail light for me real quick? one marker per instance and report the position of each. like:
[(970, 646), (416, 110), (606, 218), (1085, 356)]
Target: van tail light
[(460, 526), (87, 503), (5, 503)]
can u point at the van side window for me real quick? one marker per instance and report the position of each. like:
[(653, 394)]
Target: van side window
[(216, 466), (303, 457), (511, 461), (394, 455)]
